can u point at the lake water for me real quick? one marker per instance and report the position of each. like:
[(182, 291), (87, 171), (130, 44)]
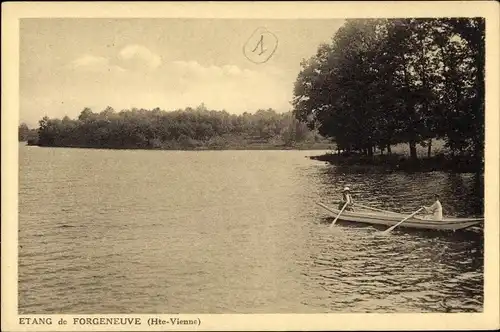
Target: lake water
[(120, 231)]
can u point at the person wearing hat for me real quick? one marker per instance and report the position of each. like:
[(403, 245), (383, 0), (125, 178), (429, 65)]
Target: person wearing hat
[(435, 209), (346, 198)]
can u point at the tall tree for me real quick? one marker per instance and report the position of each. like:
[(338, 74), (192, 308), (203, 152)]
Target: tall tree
[(23, 132), (382, 82)]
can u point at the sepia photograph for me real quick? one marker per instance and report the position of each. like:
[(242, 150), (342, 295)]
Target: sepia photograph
[(198, 165)]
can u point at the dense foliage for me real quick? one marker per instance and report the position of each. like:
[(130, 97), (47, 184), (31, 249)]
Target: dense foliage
[(181, 129), (26, 134), (382, 82)]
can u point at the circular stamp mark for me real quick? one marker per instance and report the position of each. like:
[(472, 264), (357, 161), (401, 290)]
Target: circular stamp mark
[(261, 45)]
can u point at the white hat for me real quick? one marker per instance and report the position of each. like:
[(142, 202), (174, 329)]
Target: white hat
[(346, 188)]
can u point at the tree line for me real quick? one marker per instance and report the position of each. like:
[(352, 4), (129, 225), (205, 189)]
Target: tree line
[(388, 81), (189, 128), (26, 134)]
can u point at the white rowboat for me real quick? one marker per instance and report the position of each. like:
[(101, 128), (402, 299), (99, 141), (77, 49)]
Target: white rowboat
[(392, 218)]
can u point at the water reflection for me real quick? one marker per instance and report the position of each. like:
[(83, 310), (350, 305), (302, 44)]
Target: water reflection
[(468, 189), (462, 195)]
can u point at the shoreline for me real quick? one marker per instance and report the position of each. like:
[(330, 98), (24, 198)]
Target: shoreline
[(398, 162), (388, 163), (255, 147)]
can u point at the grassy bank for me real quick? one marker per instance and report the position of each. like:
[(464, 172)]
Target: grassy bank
[(399, 160)]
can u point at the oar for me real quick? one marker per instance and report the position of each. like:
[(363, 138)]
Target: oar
[(399, 223), (333, 223)]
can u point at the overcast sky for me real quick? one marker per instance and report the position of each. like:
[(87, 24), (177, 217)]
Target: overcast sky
[(69, 64)]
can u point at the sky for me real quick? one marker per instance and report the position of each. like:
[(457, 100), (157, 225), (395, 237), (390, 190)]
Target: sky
[(69, 64)]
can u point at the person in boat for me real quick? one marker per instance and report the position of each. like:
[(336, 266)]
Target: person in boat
[(435, 209), (346, 198)]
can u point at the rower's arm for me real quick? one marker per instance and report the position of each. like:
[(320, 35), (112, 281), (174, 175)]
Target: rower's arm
[(431, 209), (427, 209)]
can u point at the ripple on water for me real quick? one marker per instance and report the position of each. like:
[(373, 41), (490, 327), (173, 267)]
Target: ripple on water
[(232, 232)]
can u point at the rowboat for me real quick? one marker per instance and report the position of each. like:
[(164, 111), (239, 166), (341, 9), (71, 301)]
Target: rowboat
[(389, 218)]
